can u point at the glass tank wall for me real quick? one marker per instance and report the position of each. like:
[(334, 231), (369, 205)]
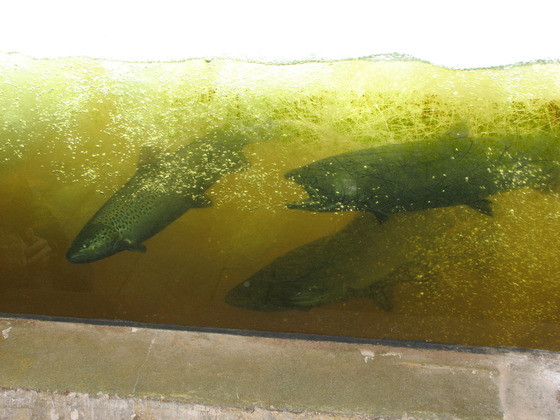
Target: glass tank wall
[(365, 198)]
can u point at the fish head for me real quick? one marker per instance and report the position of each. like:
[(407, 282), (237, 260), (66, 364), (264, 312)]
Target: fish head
[(94, 242), (270, 290), (264, 291), (254, 295), (313, 178)]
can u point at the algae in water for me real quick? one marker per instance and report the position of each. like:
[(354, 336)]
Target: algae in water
[(73, 131)]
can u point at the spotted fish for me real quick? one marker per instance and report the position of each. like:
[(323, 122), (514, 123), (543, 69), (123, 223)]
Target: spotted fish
[(162, 189)]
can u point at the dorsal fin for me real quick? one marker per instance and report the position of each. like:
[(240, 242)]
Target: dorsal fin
[(150, 155)]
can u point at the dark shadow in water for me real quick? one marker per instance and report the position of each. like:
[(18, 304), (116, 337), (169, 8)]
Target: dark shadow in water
[(32, 244)]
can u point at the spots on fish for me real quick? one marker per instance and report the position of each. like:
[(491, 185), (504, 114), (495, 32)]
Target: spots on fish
[(164, 187)]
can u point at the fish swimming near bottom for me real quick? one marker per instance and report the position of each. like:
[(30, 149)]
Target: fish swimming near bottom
[(335, 268), (421, 175), (162, 189)]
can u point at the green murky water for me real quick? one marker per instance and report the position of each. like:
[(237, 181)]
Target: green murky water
[(73, 131)]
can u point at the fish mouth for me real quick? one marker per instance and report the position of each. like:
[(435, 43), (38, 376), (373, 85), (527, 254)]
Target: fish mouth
[(294, 175), (78, 257)]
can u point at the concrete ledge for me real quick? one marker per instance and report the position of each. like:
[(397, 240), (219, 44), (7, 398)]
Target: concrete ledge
[(63, 370), (28, 404)]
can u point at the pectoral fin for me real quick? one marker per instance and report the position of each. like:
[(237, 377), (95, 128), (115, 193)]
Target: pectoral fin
[(383, 295), (383, 291), (308, 298), (130, 246), (483, 206)]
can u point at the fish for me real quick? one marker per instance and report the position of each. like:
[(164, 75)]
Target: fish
[(164, 187), (418, 175), (339, 267)]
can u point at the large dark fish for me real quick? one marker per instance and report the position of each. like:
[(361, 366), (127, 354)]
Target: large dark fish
[(339, 267), (162, 189), (421, 175)]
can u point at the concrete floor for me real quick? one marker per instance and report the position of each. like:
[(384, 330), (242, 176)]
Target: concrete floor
[(63, 370)]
